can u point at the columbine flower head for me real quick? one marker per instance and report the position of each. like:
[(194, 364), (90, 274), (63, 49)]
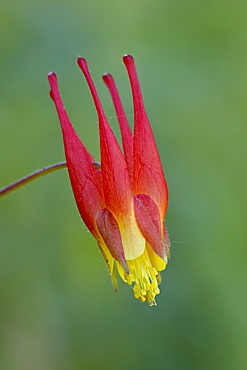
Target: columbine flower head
[(123, 202)]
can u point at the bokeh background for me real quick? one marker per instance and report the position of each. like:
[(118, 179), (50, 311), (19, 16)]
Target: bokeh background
[(57, 306)]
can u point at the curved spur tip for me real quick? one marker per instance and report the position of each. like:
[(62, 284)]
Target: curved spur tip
[(82, 63), (127, 59)]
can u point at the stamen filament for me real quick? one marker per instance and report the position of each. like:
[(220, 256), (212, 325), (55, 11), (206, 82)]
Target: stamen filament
[(143, 277)]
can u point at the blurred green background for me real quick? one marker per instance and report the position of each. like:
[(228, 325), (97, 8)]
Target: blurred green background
[(57, 306)]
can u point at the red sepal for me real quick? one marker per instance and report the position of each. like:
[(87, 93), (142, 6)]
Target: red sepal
[(148, 219), (84, 178), (115, 177), (127, 137), (148, 173), (109, 230)]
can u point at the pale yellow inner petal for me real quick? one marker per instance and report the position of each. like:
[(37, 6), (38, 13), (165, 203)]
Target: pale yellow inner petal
[(132, 238)]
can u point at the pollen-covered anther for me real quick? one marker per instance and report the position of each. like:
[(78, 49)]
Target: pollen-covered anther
[(144, 278)]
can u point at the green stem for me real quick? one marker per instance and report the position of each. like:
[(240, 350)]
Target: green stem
[(33, 176)]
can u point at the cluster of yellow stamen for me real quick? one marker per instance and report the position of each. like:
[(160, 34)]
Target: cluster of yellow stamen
[(144, 277)]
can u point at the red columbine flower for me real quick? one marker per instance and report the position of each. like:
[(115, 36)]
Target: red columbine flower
[(123, 203)]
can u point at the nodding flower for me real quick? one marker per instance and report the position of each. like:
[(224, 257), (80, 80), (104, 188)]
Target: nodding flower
[(123, 200)]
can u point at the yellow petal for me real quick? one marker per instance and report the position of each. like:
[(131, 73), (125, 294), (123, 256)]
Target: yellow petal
[(132, 238), (156, 261), (106, 255)]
